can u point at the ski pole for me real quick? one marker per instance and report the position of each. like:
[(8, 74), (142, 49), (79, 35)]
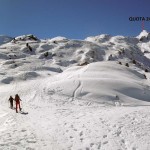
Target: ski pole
[(20, 104), (8, 104)]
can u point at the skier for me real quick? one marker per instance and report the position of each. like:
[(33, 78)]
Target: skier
[(11, 102), (17, 99)]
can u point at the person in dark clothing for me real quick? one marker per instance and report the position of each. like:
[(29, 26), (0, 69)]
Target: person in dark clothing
[(17, 100), (11, 102)]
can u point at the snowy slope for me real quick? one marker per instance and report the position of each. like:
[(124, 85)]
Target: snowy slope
[(78, 94), (5, 39), (144, 45), (102, 82)]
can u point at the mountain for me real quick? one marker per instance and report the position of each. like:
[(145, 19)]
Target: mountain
[(76, 94), (144, 36), (5, 39), (26, 57)]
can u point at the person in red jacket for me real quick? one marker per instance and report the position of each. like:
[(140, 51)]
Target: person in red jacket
[(17, 99)]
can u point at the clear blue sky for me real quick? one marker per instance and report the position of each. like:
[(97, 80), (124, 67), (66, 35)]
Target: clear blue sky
[(74, 19)]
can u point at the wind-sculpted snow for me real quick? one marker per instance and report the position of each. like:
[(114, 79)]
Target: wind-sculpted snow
[(120, 47), (102, 83), (92, 49), (88, 94), (7, 80), (3, 56), (19, 77)]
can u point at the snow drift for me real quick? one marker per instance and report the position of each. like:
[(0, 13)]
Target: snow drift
[(102, 82), (69, 89)]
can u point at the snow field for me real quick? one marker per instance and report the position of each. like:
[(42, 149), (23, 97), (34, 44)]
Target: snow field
[(76, 93)]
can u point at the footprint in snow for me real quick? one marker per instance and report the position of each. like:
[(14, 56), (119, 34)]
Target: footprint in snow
[(81, 139), (105, 142), (99, 145), (75, 130), (16, 143), (81, 133), (71, 137), (31, 141), (23, 130), (29, 148), (91, 144), (123, 141)]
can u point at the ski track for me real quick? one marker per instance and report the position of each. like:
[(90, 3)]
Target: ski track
[(64, 115), (53, 125), (76, 90), (79, 87)]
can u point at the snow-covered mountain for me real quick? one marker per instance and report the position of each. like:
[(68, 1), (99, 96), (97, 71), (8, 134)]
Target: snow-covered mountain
[(70, 87), (144, 36), (5, 39)]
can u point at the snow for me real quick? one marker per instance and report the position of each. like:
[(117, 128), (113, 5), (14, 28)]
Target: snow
[(28, 37), (142, 34), (58, 39), (106, 80), (75, 94), (5, 39)]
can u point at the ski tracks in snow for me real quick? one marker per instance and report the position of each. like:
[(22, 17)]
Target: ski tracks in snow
[(71, 127), (79, 87), (75, 92)]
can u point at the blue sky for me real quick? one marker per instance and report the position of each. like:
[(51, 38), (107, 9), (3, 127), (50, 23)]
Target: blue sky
[(76, 19)]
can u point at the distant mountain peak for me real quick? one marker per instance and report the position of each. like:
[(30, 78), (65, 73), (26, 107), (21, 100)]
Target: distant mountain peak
[(26, 37), (144, 36), (144, 33)]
